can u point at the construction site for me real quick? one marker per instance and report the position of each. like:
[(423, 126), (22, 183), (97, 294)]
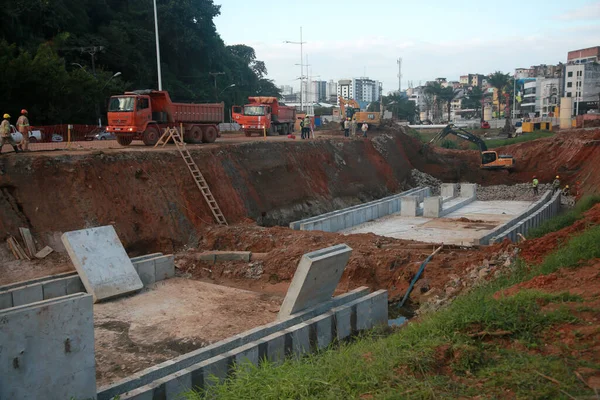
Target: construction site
[(142, 273)]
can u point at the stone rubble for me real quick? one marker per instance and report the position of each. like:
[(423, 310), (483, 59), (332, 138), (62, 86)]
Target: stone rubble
[(518, 192), (419, 178)]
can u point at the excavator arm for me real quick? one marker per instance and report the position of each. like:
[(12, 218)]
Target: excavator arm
[(461, 133)]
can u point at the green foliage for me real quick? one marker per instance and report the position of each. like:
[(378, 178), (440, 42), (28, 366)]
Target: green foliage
[(565, 219), (400, 107), (43, 40), (578, 249), (472, 100), (495, 143), (449, 144)]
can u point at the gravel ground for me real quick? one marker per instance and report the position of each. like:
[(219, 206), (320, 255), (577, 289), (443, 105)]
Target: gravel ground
[(518, 192)]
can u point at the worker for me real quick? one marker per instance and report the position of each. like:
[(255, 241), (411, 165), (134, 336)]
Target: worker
[(347, 127), (354, 127), (307, 126), (5, 136), (302, 131), (566, 191), (365, 128), (556, 184), (24, 129), (535, 185)]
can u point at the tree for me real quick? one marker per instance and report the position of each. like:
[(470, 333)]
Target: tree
[(500, 81), (400, 107), (447, 95), (472, 99)]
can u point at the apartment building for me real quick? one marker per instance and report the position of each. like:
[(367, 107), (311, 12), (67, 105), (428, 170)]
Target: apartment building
[(582, 78)]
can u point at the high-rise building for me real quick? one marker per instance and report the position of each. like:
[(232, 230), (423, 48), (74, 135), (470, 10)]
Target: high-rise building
[(345, 89), (317, 92), (331, 92), (286, 90), (582, 79), (366, 90)]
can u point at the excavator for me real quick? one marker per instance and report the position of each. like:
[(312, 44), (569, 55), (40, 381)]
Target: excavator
[(351, 109), (489, 159)]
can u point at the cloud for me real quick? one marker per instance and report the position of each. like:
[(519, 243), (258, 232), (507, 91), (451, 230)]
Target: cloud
[(587, 12), (422, 60)]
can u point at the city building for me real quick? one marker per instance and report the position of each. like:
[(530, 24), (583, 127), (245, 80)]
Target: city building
[(528, 103), (365, 89), (331, 92), (345, 89), (472, 80), (548, 93), (286, 90), (582, 79), (317, 92)]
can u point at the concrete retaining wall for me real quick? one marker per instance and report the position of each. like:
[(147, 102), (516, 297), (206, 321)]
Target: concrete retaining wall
[(296, 225), (309, 336), (546, 197), (535, 219), (47, 350), (184, 361), (151, 268), (357, 215)]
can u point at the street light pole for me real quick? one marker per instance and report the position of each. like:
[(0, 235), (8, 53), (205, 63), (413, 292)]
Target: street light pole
[(301, 43), (157, 47)]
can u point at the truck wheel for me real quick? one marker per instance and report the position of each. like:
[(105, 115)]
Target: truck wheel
[(248, 134), (124, 140), (210, 134), (195, 135), (272, 131), (32, 140), (151, 136), (291, 130), (285, 130)]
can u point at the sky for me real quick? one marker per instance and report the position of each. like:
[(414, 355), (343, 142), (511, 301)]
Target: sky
[(350, 38)]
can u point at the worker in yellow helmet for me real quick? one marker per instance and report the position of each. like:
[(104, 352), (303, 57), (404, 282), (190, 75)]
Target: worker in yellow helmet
[(24, 128), (5, 136), (556, 184)]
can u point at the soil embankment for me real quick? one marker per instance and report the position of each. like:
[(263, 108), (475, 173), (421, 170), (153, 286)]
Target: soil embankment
[(153, 203)]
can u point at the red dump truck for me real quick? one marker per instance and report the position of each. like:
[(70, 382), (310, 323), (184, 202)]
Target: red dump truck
[(265, 114), (144, 114)]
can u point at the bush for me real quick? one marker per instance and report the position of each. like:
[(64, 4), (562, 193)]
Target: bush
[(449, 144)]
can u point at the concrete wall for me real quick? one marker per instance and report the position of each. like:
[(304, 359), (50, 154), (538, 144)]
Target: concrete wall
[(182, 362), (309, 336), (296, 225), (533, 220), (546, 197), (47, 350), (357, 215), (151, 268)]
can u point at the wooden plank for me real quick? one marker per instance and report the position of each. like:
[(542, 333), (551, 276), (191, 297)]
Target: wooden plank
[(45, 252), (28, 240), (19, 249), (11, 247)]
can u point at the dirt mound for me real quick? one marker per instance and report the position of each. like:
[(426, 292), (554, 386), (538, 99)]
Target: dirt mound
[(377, 262), (534, 251)]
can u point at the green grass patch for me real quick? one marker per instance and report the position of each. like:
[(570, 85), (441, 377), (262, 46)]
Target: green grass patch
[(565, 219), (493, 143), (444, 355)]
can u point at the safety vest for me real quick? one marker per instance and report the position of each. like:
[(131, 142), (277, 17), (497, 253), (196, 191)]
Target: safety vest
[(535, 183), (5, 128), (23, 124)]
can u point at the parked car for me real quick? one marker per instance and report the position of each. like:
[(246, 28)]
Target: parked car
[(34, 136), (102, 135), (485, 125)]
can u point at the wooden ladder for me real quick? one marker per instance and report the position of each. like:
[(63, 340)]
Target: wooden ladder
[(173, 133)]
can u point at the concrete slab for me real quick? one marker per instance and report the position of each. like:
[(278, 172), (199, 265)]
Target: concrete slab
[(27, 295), (449, 190), (461, 227), (315, 280), (48, 350), (432, 207), (164, 267), (5, 300), (102, 263), (409, 205), (468, 190), (55, 288)]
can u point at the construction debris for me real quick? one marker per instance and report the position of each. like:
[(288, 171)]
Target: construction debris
[(16, 249), (45, 252), (28, 240)]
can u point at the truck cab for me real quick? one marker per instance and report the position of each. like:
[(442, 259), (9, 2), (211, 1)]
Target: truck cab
[(129, 114), (253, 118)]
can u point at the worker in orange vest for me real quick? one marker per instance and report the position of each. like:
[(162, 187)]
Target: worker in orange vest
[(24, 128)]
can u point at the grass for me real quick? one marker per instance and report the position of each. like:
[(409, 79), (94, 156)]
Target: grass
[(493, 143), (565, 219), (439, 357)]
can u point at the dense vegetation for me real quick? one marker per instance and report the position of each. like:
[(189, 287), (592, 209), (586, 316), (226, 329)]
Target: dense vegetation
[(45, 65)]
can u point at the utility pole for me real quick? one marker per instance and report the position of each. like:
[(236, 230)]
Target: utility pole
[(399, 75), (158, 68), (214, 75), (301, 43)]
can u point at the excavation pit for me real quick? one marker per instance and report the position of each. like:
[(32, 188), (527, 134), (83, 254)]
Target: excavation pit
[(171, 318)]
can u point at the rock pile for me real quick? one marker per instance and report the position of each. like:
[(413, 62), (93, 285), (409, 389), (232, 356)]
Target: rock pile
[(418, 178)]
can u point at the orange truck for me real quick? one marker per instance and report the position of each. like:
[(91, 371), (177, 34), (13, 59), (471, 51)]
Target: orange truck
[(265, 114), (144, 114)]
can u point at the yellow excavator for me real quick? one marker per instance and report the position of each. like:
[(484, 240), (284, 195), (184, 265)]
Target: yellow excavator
[(489, 159), (351, 109)]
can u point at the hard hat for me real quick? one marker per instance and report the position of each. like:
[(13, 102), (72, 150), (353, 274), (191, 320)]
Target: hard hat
[(534, 177), (6, 116), (566, 187), (557, 177), (24, 111)]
